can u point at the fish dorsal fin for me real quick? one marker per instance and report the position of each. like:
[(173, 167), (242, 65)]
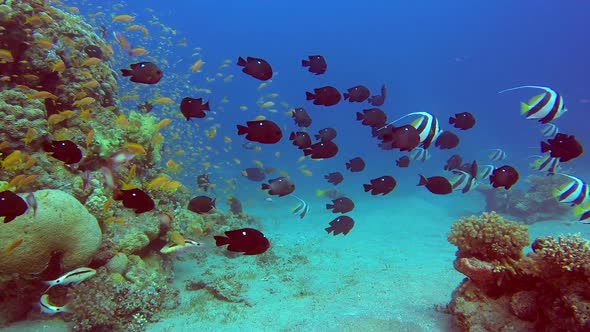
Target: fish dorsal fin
[(405, 116), (536, 98), (526, 86)]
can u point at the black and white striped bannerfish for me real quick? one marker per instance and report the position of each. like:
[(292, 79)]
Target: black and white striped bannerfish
[(302, 209), (583, 211), (546, 163), (486, 171), (463, 181), (497, 155), (549, 130), (545, 107), (427, 126), (574, 192), (419, 154)]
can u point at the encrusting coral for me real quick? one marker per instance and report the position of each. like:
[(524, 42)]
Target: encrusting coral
[(546, 290)]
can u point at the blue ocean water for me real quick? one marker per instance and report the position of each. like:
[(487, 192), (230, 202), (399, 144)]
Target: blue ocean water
[(441, 57), (438, 57)]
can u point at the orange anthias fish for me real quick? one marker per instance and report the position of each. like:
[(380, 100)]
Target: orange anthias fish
[(124, 43)]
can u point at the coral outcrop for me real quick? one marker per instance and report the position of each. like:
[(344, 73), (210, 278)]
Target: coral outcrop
[(60, 224), (546, 290)]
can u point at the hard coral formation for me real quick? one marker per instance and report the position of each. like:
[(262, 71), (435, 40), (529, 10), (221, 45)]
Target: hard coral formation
[(489, 237), (122, 302), (535, 204), (61, 224), (546, 290)]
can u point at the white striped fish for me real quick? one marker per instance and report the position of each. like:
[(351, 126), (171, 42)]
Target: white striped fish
[(583, 211), (546, 163), (427, 125), (486, 171), (549, 130), (545, 107), (419, 154), (497, 155), (574, 192), (302, 209), (463, 181)]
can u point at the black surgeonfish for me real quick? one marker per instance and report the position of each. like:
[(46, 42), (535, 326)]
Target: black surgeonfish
[(340, 225), (563, 146), (321, 150), (143, 72), (261, 131), (326, 96), (66, 151), (379, 100), (316, 63), (247, 240), (357, 94), (463, 121), (301, 118), (256, 67), (381, 185), (193, 108), (334, 178)]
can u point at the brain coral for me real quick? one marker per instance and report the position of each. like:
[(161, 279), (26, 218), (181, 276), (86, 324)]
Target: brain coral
[(489, 237), (61, 223)]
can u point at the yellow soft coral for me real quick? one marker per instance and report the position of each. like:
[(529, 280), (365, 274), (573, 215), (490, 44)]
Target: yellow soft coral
[(489, 237)]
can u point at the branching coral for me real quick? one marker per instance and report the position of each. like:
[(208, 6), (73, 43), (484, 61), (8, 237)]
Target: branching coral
[(489, 237), (566, 253)]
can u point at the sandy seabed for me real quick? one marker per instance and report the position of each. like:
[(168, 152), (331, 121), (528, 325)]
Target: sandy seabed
[(387, 274)]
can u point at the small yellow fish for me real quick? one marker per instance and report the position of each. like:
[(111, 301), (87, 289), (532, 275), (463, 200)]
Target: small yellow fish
[(163, 100), (136, 148), (258, 163), (243, 108), (123, 18), (12, 246), (91, 62), (212, 132), (196, 67), (227, 139), (267, 104), (172, 166), (162, 124)]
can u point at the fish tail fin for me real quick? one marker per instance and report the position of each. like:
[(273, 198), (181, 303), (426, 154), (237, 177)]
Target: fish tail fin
[(206, 106), (329, 229), (348, 165), (423, 181), (306, 152), (221, 240), (309, 95), (346, 95), (305, 63), (46, 145), (241, 62), (452, 120), (329, 206), (545, 147), (367, 187), (524, 107), (242, 130), (126, 72), (397, 163), (359, 116), (264, 186), (292, 135)]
